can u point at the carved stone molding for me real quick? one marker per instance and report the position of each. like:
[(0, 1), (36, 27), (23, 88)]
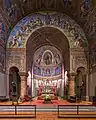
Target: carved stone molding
[(78, 59), (73, 74), (16, 59), (23, 74)]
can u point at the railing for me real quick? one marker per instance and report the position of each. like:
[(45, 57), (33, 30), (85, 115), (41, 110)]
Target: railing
[(18, 111), (29, 111), (86, 111)]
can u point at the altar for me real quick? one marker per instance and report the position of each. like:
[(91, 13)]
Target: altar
[(47, 90)]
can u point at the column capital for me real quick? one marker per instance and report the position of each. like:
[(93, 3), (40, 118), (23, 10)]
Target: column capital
[(73, 74), (23, 74)]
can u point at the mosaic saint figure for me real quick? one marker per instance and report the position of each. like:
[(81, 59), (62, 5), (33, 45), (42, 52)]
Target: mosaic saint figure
[(39, 59), (11, 10), (85, 8), (15, 41), (47, 19), (57, 59), (47, 58), (79, 42), (38, 21)]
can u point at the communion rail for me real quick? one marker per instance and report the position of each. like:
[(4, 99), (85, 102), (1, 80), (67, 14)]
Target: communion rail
[(76, 111), (17, 111)]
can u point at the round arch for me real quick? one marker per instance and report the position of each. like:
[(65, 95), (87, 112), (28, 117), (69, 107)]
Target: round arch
[(14, 79), (48, 36), (22, 31), (81, 83), (74, 38)]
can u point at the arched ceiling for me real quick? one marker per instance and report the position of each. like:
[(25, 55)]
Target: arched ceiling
[(47, 36), (50, 36)]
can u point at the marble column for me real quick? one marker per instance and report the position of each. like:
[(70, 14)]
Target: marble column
[(72, 84), (23, 77)]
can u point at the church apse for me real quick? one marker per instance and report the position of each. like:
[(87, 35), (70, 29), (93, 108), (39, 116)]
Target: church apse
[(46, 70), (47, 62)]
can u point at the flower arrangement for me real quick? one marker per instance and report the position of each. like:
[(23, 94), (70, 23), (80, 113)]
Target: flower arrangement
[(47, 99)]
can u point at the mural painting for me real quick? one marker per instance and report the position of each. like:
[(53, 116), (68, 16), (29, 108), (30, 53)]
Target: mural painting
[(22, 31), (47, 62), (12, 11)]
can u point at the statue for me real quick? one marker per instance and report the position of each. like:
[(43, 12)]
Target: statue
[(66, 78), (29, 79)]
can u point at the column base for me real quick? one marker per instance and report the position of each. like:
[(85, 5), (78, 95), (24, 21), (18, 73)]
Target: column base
[(72, 99)]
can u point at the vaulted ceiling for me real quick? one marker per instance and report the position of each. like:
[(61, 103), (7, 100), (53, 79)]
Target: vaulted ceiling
[(47, 36)]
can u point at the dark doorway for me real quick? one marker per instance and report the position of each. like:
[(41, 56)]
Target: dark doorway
[(81, 84), (14, 82)]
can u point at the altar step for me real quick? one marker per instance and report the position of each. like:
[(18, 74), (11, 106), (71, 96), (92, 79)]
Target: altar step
[(48, 109)]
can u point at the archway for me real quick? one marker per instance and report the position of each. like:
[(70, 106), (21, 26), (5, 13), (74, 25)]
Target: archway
[(47, 42), (47, 71), (14, 83), (58, 30), (80, 84)]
